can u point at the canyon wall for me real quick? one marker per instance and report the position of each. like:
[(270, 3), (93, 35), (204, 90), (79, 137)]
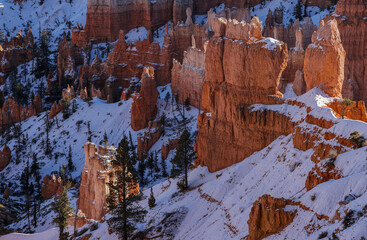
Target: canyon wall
[(241, 68), (352, 24)]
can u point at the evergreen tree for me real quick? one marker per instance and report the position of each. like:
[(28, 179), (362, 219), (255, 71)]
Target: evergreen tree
[(164, 168), (298, 10), (305, 13), (125, 210), (156, 168), (89, 132), (63, 212), (185, 154), (105, 138), (150, 164), (141, 172), (71, 167), (25, 185), (47, 141), (151, 200)]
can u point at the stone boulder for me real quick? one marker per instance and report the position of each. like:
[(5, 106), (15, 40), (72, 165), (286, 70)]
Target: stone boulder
[(144, 107), (5, 156), (269, 216), (325, 59)]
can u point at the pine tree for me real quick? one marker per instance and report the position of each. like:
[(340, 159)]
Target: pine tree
[(298, 10), (89, 132), (141, 172), (35, 172), (150, 164), (105, 138), (164, 168), (185, 154), (125, 210), (25, 183), (71, 167), (156, 168), (47, 141), (305, 13), (63, 212), (151, 200)]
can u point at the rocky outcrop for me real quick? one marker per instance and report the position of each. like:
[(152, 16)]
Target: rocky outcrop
[(320, 174), (169, 146), (144, 107), (355, 112), (269, 216), (5, 156), (239, 71), (14, 52), (150, 137), (51, 186), (352, 24), (13, 112), (97, 173), (299, 84), (55, 109), (324, 60), (188, 77)]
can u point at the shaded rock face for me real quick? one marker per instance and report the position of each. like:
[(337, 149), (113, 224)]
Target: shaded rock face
[(13, 112), (299, 84), (51, 186), (144, 107), (269, 216), (169, 146), (5, 156), (14, 52), (150, 137), (352, 24), (324, 60), (55, 109), (238, 73), (105, 20), (96, 174), (188, 78)]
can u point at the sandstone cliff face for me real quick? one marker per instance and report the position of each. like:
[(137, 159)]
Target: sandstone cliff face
[(188, 78), (269, 216), (144, 107), (5, 156), (324, 60), (239, 72), (352, 24), (355, 112), (97, 172), (320, 174), (169, 146), (51, 186)]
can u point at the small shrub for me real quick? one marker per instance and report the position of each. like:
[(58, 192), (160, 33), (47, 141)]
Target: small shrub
[(349, 219), (357, 139), (323, 235), (313, 197), (334, 237)]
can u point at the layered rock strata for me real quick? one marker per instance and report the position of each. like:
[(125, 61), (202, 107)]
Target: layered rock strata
[(241, 69), (5, 156), (325, 59)]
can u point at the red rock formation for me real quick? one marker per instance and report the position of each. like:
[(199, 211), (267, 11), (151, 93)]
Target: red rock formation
[(79, 37), (97, 172), (355, 112), (324, 60), (238, 74), (188, 78), (5, 156), (319, 3), (6, 193), (68, 94), (320, 174), (352, 24), (169, 146), (269, 216), (51, 186), (55, 109), (149, 138), (16, 51), (299, 84), (144, 107)]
